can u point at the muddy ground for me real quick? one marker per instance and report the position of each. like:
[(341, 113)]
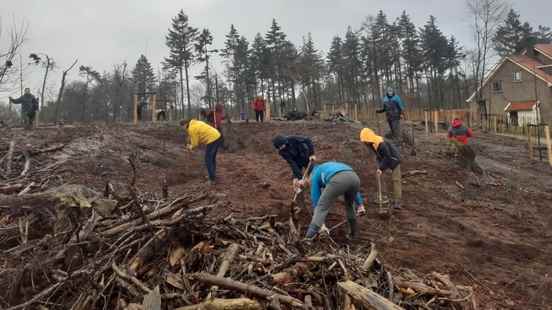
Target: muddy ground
[(492, 231)]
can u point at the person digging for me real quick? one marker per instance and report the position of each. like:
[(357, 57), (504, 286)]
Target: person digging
[(299, 154), (387, 157), (200, 133), (458, 139), (327, 182)]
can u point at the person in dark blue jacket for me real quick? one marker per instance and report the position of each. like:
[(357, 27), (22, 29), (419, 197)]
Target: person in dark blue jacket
[(327, 182), (297, 151), (393, 108)]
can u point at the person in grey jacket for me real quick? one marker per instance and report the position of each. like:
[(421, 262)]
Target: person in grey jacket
[(29, 106)]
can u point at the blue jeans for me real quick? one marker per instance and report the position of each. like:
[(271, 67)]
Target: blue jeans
[(211, 158)]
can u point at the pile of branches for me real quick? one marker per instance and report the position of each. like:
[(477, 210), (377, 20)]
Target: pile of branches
[(26, 169), (146, 253), (66, 246)]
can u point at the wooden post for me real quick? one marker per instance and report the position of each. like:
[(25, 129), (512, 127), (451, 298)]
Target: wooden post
[(495, 124), (548, 144), (154, 108), (135, 114), (268, 112), (436, 122), (426, 123), (530, 142), (347, 110)]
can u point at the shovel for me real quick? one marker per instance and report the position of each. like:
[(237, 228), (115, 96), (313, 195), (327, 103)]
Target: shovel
[(383, 212), (299, 191)]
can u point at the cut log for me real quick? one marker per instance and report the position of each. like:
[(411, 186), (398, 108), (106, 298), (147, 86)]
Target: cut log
[(245, 288), (225, 304), (366, 297), (370, 259), (421, 288)]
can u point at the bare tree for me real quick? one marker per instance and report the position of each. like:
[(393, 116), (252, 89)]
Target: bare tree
[(487, 15), (61, 88), (48, 65), (16, 37)]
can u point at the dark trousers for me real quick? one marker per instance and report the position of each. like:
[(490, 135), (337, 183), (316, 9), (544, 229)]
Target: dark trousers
[(259, 116), (211, 158), (29, 118), (395, 126)]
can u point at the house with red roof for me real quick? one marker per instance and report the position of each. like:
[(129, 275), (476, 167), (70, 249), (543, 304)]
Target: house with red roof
[(519, 87)]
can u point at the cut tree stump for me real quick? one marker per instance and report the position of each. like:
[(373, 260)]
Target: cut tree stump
[(366, 297)]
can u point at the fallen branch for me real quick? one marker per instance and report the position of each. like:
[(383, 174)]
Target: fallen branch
[(10, 157), (366, 297), (124, 276), (37, 297), (245, 288), (225, 304), (27, 165)]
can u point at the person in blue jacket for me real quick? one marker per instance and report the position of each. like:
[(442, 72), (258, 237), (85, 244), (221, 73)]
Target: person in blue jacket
[(393, 108), (327, 182)]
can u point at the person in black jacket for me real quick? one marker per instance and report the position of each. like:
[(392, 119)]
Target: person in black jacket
[(298, 152), (29, 106), (387, 157)]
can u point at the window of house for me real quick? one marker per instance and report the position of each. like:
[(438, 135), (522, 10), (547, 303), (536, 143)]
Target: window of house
[(497, 86), (516, 76)]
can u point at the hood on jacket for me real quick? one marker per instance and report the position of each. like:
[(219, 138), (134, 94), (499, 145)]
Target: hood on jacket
[(278, 141), (367, 135), (457, 123)]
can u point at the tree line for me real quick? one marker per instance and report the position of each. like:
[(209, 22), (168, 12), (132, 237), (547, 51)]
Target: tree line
[(426, 66)]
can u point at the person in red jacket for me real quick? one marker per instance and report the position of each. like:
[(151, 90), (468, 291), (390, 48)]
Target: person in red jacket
[(458, 132), (259, 106)]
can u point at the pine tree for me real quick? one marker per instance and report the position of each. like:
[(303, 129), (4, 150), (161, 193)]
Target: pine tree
[(310, 67), (260, 61), (513, 36), (180, 41), (435, 47), (411, 52), (143, 76), (334, 62), (204, 40), (275, 40), (351, 65)]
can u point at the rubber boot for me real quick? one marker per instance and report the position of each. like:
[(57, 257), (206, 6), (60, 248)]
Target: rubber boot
[(396, 205), (353, 230)]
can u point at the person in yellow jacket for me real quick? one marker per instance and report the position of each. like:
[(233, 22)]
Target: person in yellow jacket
[(200, 133), (387, 157)]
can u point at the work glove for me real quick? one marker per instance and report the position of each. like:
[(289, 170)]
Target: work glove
[(379, 172), (324, 230), (312, 158), (189, 147), (360, 210)]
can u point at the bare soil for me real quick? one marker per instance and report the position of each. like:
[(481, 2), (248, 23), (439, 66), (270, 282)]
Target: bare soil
[(490, 231)]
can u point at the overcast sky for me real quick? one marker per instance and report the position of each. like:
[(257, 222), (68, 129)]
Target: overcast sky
[(102, 33)]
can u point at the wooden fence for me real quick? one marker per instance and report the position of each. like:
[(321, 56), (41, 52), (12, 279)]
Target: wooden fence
[(436, 121)]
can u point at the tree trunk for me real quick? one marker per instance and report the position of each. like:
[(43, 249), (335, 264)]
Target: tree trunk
[(181, 92), (189, 111)]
